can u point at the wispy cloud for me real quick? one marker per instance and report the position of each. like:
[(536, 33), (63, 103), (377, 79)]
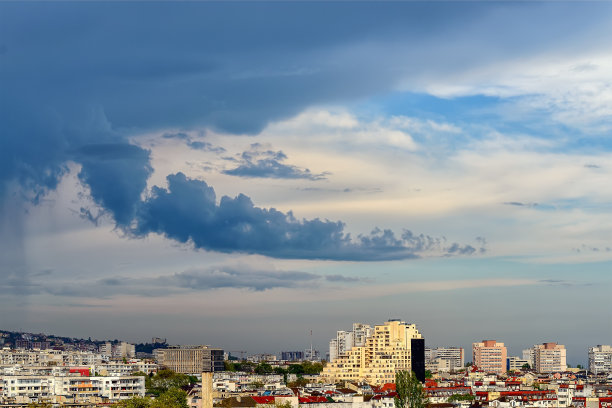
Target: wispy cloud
[(261, 162)]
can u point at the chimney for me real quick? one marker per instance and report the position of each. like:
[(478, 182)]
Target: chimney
[(207, 390)]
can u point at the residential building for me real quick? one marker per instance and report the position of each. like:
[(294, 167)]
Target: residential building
[(191, 359), (444, 359), (529, 356), (394, 345), (550, 358), (490, 356), (600, 359), (345, 340), (516, 363)]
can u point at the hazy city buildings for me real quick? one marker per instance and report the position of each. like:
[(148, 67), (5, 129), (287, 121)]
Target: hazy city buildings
[(392, 346), (292, 355), (490, 356), (600, 359)]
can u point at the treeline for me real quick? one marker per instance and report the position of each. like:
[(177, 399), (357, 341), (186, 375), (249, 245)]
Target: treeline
[(149, 347), (306, 367)]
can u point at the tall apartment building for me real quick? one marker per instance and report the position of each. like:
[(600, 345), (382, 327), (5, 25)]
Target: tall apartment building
[(600, 359), (392, 346), (346, 340), (444, 359), (191, 359), (490, 356), (550, 358), (529, 356)]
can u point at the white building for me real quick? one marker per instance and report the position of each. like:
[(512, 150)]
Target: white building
[(600, 359), (346, 340), (444, 359)]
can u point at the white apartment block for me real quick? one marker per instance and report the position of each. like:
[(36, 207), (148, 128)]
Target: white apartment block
[(444, 359), (529, 356), (70, 388), (600, 359), (516, 363), (346, 340)]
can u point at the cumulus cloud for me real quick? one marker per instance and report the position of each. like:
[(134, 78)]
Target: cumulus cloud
[(187, 212), (266, 163)]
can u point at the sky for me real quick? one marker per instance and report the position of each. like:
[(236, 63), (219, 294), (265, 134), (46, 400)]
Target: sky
[(239, 174)]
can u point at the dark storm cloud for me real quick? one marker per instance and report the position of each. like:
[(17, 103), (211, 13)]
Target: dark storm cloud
[(116, 175), (261, 163), (187, 212)]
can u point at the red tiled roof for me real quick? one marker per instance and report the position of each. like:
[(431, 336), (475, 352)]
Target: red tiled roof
[(263, 399)]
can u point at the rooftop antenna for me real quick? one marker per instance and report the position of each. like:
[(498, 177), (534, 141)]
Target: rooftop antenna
[(311, 352)]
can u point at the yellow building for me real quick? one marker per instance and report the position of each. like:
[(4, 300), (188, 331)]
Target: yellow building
[(392, 346)]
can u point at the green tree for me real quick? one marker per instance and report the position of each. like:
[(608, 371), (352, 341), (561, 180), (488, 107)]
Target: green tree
[(278, 404), (295, 369), (526, 366), (136, 402), (166, 379), (410, 391), (461, 397), (263, 368), (428, 374), (172, 398)]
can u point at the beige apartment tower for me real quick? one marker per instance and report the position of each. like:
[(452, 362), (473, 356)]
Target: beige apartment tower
[(392, 346), (490, 356), (550, 358)]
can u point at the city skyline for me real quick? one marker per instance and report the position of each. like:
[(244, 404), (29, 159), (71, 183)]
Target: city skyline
[(243, 173)]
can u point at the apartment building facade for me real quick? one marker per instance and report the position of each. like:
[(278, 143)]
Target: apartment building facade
[(392, 346), (600, 359), (444, 359), (191, 359), (490, 356), (550, 358)]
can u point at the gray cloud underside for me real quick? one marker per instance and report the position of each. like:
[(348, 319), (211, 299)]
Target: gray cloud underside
[(187, 212)]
